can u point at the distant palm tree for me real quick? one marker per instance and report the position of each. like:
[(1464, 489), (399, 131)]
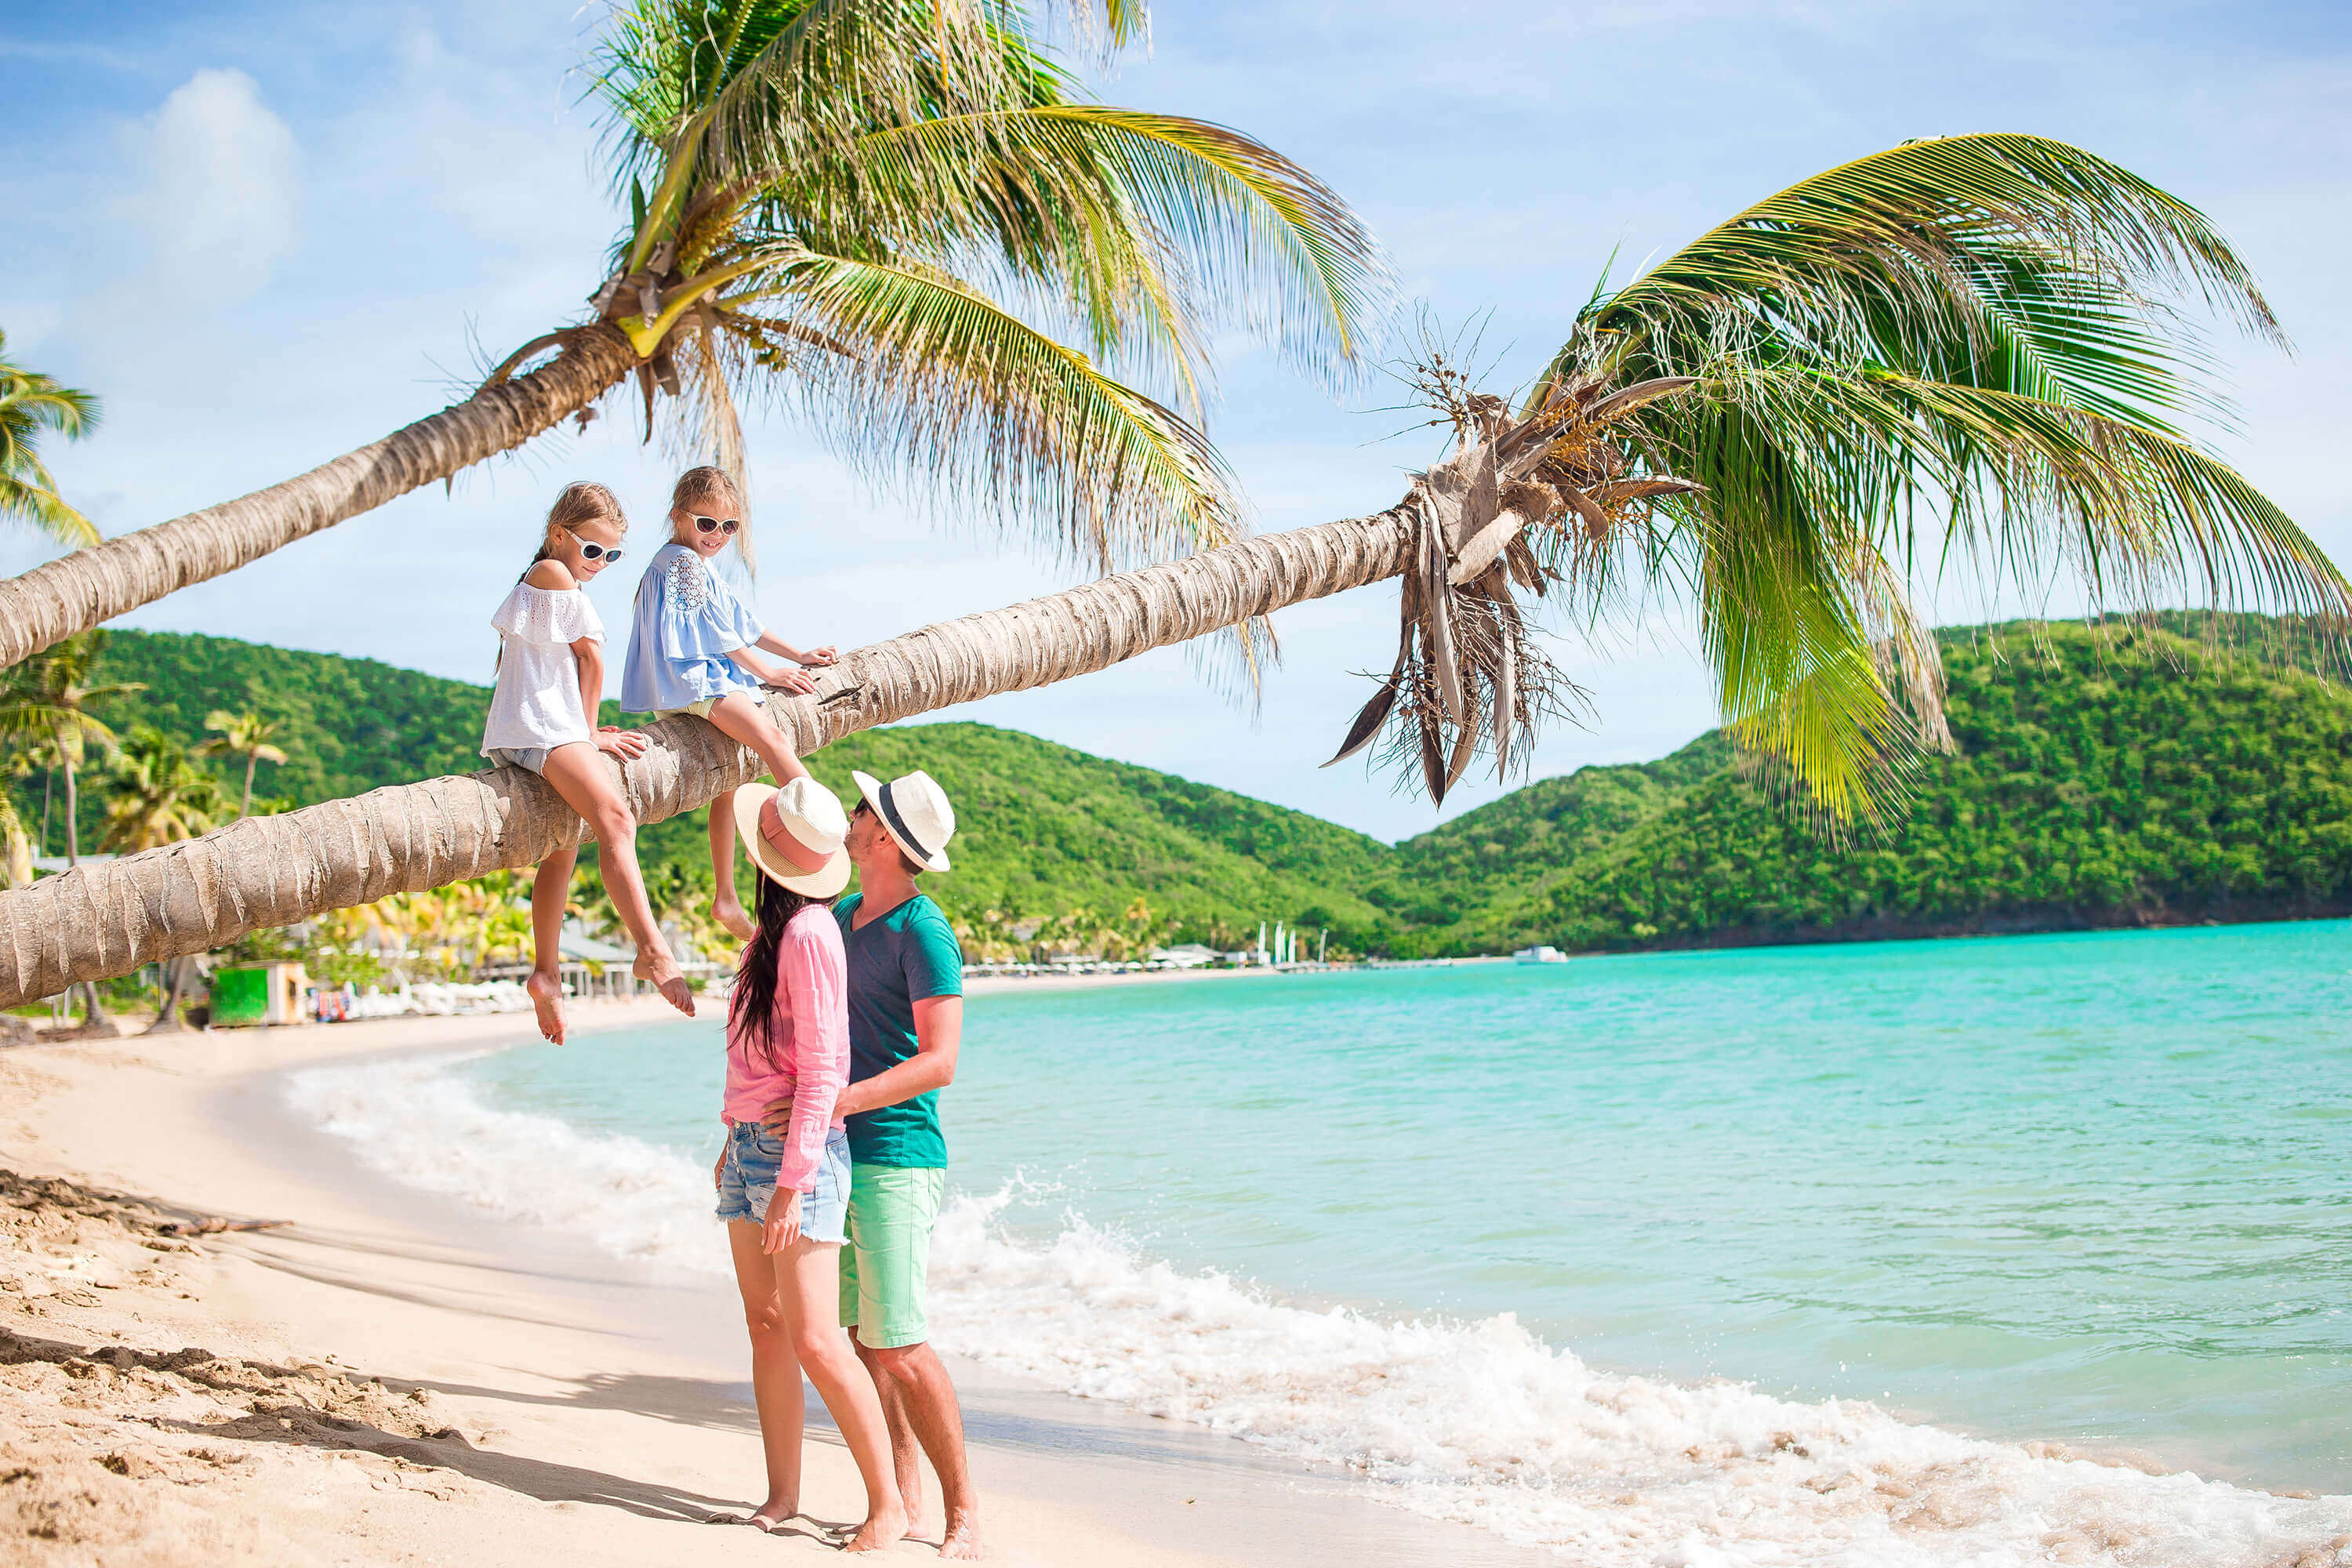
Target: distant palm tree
[(900, 219), (31, 404), (157, 795), (15, 845), (47, 702), (247, 735)]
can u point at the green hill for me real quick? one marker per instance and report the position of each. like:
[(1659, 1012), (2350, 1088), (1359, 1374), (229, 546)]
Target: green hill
[(2121, 776), (1045, 830), (2117, 776)]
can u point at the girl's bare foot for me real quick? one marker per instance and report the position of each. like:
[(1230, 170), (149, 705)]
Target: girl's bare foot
[(728, 912), (885, 1527), (547, 1001), (661, 971)]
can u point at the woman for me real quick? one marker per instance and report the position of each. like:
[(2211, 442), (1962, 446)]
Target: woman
[(784, 1192)]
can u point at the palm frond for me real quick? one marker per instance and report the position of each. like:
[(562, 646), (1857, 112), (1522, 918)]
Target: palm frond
[(32, 405), (1243, 236), (943, 383), (1970, 350)]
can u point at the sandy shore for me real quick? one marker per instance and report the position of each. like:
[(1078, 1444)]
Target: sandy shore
[(391, 1378)]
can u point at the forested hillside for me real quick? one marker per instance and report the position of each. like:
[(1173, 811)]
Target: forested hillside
[(1046, 832), (2115, 776)]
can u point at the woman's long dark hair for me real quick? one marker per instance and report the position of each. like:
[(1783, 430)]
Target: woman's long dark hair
[(751, 1011)]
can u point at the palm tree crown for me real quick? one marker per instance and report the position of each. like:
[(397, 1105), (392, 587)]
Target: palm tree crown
[(248, 735), (46, 702), (30, 405), (1970, 350), (157, 795), (908, 217)]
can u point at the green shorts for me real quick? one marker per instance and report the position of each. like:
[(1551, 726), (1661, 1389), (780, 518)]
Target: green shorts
[(886, 1268)]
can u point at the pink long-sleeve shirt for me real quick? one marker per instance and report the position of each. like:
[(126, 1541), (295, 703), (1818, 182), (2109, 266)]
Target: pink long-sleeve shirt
[(810, 1050)]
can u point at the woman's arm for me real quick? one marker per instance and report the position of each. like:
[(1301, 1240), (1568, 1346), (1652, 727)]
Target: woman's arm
[(814, 979)]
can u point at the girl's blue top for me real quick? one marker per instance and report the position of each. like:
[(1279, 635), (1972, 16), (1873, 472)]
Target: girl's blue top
[(688, 620)]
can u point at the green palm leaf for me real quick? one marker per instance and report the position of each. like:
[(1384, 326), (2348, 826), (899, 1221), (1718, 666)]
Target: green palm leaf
[(1008, 419), (1970, 350), (30, 405)]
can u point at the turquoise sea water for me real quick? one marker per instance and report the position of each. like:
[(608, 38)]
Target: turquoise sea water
[(2092, 1188)]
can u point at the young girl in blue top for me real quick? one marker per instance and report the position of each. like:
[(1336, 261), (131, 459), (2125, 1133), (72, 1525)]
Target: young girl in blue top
[(696, 649)]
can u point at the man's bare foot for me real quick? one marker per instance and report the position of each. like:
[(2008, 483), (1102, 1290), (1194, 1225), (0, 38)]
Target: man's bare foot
[(547, 1001), (661, 971), (884, 1527), (963, 1539), (730, 913)]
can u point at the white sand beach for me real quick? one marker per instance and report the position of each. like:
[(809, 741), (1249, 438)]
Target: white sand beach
[(388, 1378)]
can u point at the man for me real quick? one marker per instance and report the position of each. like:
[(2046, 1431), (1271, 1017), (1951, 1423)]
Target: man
[(906, 1022)]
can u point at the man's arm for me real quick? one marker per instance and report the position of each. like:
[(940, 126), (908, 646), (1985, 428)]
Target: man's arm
[(939, 1033)]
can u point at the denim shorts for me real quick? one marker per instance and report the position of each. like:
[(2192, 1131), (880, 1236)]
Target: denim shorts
[(531, 759), (747, 1182)]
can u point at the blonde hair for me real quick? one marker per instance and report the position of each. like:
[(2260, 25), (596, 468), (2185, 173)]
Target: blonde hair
[(582, 501), (701, 487)]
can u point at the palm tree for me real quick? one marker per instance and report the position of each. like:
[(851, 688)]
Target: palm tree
[(1952, 327), (31, 404), (899, 217), (47, 703), (157, 795), (247, 735), (15, 845)]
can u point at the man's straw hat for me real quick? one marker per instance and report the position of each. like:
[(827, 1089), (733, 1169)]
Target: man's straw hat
[(794, 836), (915, 813)]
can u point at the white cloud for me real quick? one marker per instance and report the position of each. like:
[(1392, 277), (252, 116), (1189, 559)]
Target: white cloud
[(221, 203)]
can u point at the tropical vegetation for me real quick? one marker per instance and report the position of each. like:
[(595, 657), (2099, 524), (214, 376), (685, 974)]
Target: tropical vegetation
[(2126, 772), (33, 405)]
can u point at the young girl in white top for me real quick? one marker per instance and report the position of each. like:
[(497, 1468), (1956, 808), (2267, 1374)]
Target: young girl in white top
[(542, 719), (696, 649)]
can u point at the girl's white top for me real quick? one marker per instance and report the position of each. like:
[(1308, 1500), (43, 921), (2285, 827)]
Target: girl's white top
[(537, 703)]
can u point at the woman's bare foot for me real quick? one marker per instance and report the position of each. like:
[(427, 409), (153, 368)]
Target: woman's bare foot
[(660, 971), (886, 1526), (728, 912), (963, 1539), (547, 1001)]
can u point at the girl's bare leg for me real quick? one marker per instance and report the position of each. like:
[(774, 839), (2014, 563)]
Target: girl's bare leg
[(775, 1375), (577, 771), (741, 721), (725, 907), (550, 891), (808, 1290)]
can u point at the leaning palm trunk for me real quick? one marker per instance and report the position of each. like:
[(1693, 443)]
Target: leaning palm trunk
[(202, 893), (52, 602)]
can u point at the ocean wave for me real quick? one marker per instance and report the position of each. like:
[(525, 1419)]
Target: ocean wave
[(411, 1119), (1477, 1422)]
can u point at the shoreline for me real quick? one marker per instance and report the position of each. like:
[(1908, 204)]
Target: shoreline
[(388, 1375)]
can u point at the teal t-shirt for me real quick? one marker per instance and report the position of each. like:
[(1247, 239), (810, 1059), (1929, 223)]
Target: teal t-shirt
[(896, 961)]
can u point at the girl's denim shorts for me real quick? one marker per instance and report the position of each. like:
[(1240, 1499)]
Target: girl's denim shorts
[(747, 1182)]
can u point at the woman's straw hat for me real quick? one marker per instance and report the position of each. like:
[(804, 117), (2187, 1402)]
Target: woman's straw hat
[(794, 836), (915, 813)]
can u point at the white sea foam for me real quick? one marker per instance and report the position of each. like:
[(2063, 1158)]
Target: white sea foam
[(1475, 1422), (414, 1121)]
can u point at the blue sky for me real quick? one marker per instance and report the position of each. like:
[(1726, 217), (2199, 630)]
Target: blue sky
[(266, 234)]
